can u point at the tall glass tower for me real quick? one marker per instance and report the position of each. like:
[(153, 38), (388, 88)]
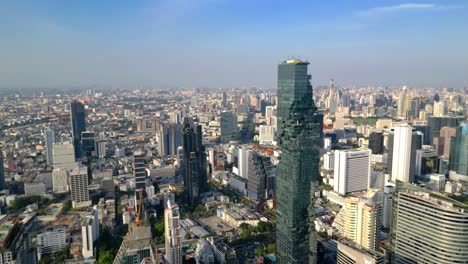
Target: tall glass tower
[(78, 125), (299, 138)]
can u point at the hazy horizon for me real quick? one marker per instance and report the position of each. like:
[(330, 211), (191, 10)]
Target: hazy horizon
[(222, 43)]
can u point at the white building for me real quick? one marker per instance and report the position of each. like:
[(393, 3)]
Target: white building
[(64, 155), (52, 240), (351, 171), (60, 180), (79, 187), (440, 109), (102, 149), (243, 162), (172, 234), (404, 145), (90, 232), (267, 135)]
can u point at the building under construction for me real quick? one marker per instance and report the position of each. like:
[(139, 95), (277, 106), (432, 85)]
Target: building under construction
[(137, 247)]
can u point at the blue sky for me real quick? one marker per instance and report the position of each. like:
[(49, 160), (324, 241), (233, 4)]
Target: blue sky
[(231, 43)]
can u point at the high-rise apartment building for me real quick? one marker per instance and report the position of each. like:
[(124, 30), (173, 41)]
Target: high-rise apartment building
[(352, 171), (172, 233), (60, 180), (299, 139), (90, 232), (52, 240), (49, 140), (78, 125), (194, 161), (79, 187), (362, 219), (427, 227), (402, 145)]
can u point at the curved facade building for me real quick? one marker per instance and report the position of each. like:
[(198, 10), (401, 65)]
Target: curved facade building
[(428, 227)]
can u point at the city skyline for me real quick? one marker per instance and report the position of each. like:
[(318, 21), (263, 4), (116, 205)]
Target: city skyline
[(183, 43)]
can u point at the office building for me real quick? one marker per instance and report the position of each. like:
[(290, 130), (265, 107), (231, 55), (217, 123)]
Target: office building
[(458, 162), (348, 253), (299, 139), (79, 187), (88, 142), (228, 126), (194, 161), (362, 219), (260, 172), (442, 143), (428, 227), (49, 140), (376, 142), (172, 233), (64, 155), (170, 138), (435, 124), (60, 180), (427, 161), (352, 171), (403, 142), (52, 240), (90, 232), (78, 125)]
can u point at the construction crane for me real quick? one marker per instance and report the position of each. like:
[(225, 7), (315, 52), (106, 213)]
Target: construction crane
[(139, 208)]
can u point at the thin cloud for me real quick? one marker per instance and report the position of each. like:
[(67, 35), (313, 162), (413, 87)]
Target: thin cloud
[(405, 7)]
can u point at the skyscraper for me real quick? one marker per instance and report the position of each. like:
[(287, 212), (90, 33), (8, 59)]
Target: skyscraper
[(78, 125), (90, 232), (49, 138), (172, 233), (401, 102), (194, 161), (458, 163), (376, 142), (88, 142), (299, 138), (259, 171), (427, 227), (2, 171), (228, 127), (403, 143), (362, 219)]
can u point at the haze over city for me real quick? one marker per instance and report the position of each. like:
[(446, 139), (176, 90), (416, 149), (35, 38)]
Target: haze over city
[(221, 43)]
